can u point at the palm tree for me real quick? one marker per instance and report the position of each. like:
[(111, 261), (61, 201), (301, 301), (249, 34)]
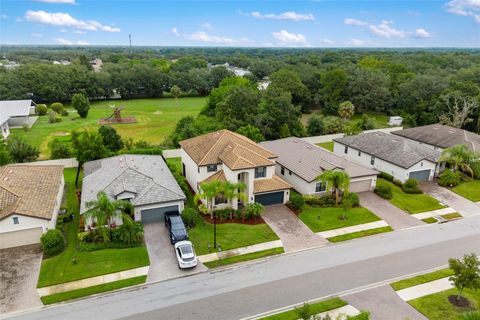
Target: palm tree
[(103, 210), (208, 191), (175, 91), (337, 180), (460, 157), (346, 110), (233, 191)]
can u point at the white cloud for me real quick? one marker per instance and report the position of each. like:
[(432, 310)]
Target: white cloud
[(422, 33), (82, 43), (207, 26), (174, 31), (66, 20), (356, 42), (202, 36), (470, 8), (289, 15), (384, 29), (37, 35), (58, 1), (3, 17), (67, 42), (77, 31), (354, 22), (326, 41), (285, 37)]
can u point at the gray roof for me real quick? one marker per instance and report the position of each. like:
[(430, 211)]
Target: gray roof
[(146, 176), (16, 108), (308, 161), (442, 136), (394, 149)]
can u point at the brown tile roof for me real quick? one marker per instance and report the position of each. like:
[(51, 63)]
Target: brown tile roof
[(217, 176), (233, 149), (29, 190), (272, 184)]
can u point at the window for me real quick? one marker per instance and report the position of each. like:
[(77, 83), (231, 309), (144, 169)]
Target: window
[(212, 168), (372, 160), (320, 186), (359, 153), (345, 150), (421, 164), (289, 172), (260, 172), (282, 171), (15, 220), (219, 199)]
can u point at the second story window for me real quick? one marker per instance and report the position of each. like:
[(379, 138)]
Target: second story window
[(260, 172), (345, 150), (15, 220), (212, 168), (372, 160), (282, 170)]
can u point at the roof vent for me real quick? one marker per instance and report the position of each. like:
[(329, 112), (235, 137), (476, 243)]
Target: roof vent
[(309, 147), (10, 171)]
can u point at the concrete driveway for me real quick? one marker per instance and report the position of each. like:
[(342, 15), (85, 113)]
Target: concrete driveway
[(163, 261), (463, 206), (395, 217), (295, 235), (19, 269)]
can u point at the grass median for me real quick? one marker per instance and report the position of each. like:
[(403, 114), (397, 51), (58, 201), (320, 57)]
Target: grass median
[(244, 257)]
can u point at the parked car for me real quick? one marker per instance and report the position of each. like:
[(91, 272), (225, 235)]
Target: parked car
[(174, 224), (185, 255)]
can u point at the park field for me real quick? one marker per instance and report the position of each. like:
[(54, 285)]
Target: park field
[(156, 119)]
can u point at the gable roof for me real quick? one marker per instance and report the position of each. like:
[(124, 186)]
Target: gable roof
[(16, 108), (146, 176), (394, 149), (217, 176), (270, 184), (309, 161), (224, 146), (29, 190), (442, 136)]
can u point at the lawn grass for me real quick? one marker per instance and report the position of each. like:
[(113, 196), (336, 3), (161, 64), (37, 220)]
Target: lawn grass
[(322, 219), (63, 296), (437, 306), (469, 190), (244, 257), (60, 268), (359, 234), (156, 119), (327, 145), (430, 220), (411, 203), (453, 215), (317, 307), (424, 278), (380, 120)]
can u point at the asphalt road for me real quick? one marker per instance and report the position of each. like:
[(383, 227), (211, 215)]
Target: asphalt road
[(281, 281)]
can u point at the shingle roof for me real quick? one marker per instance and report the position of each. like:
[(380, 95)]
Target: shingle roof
[(217, 176), (30, 190), (270, 184), (309, 161), (394, 149), (14, 108), (147, 176), (233, 149), (442, 136)]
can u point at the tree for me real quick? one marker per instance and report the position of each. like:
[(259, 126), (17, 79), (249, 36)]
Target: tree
[(459, 110), (59, 149), (233, 191), (238, 108), (288, 81), (460, 157), (189, 127), (346, 110), (20, 151), (103, 211), (111, 139), (346, 205), (466, 273), (333, 89), (81, 104), (315, 125), (336, 180), (87, 146), (208, 191), (130, 232), (251, 132), (175, 91)]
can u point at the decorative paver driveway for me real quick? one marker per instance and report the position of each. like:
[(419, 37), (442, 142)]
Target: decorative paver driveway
[(463, 206), (163, 261), (295, 235), (19, 269), (383, 303), (395, 217)]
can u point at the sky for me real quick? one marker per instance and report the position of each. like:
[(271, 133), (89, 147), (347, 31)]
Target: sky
[(248, 23)]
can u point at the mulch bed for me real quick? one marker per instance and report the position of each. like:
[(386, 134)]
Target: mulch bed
[(252, 222), (462, 302), (113, 121)]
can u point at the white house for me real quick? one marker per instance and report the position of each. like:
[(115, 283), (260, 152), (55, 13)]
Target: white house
[(300, 163), (397, 156), (16, 114), (225, 155), (30, 197), (144, 180)]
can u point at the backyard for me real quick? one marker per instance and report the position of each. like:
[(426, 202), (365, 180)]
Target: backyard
[(469, 190), (156, 118), (380, 120)]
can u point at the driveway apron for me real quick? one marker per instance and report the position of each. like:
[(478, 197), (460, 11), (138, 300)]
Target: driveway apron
[(463, 206)]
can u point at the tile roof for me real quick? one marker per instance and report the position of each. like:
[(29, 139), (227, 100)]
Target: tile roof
[(308, 161), (233, 149), (269, 184), (394, 149), (442, 136), (146, 176), (217, 176), (29, 190)]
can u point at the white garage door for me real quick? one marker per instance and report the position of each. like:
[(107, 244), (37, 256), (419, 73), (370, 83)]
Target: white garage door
[(360, 186), (20, 237)]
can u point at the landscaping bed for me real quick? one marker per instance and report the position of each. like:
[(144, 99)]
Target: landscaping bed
[(469, 190), (244, 257)]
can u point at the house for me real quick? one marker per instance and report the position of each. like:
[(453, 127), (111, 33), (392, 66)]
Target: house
[(96, 64), (30, 197), (300, 163), (15, 114), (397, 156), (239, 72), (440, 137), (395, 121), (144, 180), (224, 155)]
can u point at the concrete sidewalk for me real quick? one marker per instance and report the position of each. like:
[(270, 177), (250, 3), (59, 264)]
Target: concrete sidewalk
[(360, 227), (239, 251), (425, 289), (438, 212)]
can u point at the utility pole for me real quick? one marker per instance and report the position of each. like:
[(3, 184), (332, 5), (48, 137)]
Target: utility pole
[(130, 40)]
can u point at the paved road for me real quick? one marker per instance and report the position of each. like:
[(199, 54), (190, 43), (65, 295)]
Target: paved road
[(281, 281), (463, 206)]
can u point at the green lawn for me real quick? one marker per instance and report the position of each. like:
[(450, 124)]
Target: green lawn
[(156, 118), (244, 257), (424, 278), (359, 234), (430, 220), (437, 306), (327, 145), (322, 219), (58, 297), (469, 190), (61, 269), (318, 307), (448, 216), (411, 203)]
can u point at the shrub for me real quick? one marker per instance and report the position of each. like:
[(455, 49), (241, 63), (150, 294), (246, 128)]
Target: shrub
[(352, 197), (411, 186), (57, 107), (366, 123), (64, 112), (53, 242), (296, 201), (384, 191), (129, 232), (41, 109), (316, 126), (20, 151), (449, 178), (476, 169), (386, 176), (324, 201), (54, 117), (253, 210), (398, 183), (111, 139), (59, 149), (189, 216), (81, 103)]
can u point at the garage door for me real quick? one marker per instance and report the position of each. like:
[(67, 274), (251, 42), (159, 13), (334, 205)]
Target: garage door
[(423, 175), (360, 186), (270, 198), (20, 237), (156, 214)]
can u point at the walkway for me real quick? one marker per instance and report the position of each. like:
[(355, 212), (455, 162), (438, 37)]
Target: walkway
[(425, 289), (239, 251), (295, 235), (463, 206), (434, 213), (395, 217), (360, 227)]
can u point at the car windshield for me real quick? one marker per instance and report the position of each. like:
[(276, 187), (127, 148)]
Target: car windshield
[(186, 250)]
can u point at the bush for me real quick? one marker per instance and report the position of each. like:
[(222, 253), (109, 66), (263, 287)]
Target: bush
[(316, 126), (296, 201), (386, 176), (476, 169), (64, 112), (449, 178), (384, 191), (57, 107), (129, 232), (41, 109), (53, 242), (54, 117), (189, 216), (411, 186), (253, 210), (352, 197), (20, 151), (81, 103), (324, 201), (398, 183), (59, 149)]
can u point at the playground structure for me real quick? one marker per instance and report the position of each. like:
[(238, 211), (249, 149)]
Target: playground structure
[(116, 117)]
